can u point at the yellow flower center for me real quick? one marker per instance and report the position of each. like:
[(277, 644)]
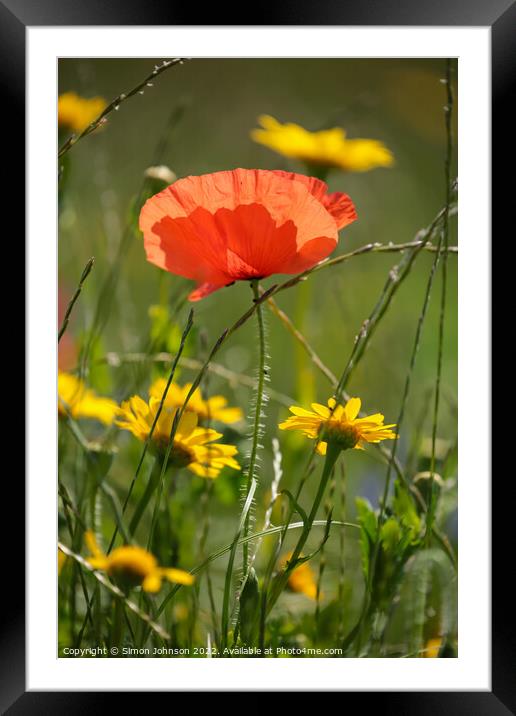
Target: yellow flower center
[(345, 435), (130, 565), (180, 455)]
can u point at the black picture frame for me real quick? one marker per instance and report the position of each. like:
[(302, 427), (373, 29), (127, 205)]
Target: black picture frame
[(500, 15)]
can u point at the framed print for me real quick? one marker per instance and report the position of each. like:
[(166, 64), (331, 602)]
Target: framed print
[(265, 253)]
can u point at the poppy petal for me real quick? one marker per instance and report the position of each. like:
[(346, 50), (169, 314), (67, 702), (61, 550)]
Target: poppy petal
[(256, 246), (176, 246), (338, 204), (241, 224), (310, 254), (203, 290), (341, 207)]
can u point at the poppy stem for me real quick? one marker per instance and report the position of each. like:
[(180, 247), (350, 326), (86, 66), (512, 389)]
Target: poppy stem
[(257, 426)]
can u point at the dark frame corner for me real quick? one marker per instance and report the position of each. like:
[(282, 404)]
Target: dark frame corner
[(500, 15)]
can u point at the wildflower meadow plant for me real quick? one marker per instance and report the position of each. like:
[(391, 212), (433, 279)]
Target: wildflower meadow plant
[(133, 566), (206, 501), (339, 425), (78, 401), (192, 447), (213, 408), (329, 148), (242, 225), (75, 113)]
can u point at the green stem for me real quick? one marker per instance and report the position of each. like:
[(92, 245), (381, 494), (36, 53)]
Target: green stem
[(447, 171), (258, 535), (229, 570), (332, 453), (188, 326), (149, 490), (443, 245), (322, 562), (84, 276), (260, 388), (342, 574), (159, 494), (116, 625)]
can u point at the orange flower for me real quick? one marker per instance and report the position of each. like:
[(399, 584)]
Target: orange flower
[(241, 225), (302, 578)]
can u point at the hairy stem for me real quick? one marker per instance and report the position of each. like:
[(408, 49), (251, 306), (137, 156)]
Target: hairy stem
[(257, 428)]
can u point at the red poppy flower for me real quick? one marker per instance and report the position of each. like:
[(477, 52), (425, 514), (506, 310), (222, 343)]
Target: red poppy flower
[(241, 225)]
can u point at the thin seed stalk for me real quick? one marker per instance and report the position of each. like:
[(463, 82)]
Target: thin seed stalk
[(447, 171), (115, 104), (443, 246), (399, 423), (260, 400), (69, 309)]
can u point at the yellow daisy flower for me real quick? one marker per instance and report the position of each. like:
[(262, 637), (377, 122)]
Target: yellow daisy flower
[(302, 579), (192, 446), (81, 402), (76, 113), (211, 409), (134, 566), (328, 147), (339, 424)]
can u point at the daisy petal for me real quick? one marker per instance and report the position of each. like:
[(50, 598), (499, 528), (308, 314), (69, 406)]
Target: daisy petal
[(352, 408), (321, 410)]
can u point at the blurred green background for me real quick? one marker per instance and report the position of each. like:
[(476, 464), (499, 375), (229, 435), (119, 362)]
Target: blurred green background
[(399, 102)]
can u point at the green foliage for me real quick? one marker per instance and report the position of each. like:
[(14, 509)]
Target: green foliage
[(399, 537), (227, 488), (428, 599), (406, 513), (165, 333), (369, 526), (99, 375), (390, 535)]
